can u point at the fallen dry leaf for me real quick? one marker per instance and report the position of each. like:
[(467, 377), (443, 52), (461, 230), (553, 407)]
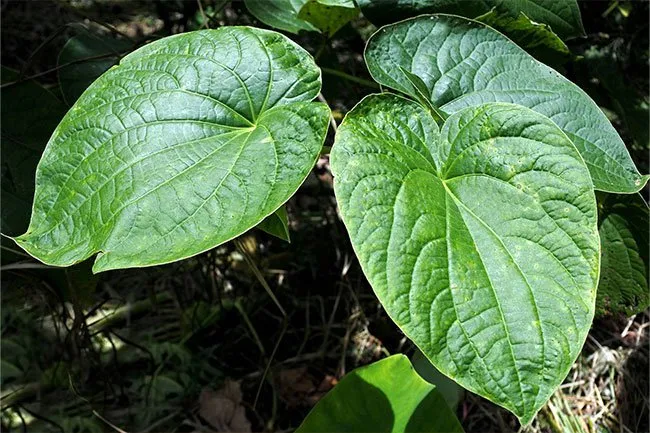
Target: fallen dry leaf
[(298, 387), (222, 409)]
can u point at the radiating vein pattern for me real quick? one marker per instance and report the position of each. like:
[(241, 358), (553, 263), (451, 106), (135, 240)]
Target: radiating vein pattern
[(463, 63), (480, 239), (187, 143)]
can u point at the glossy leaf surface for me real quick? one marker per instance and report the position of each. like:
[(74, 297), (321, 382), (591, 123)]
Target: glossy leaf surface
[(463, 63), (563, 16), (386, 396), (189, 142), (623, 227), (480, 240)]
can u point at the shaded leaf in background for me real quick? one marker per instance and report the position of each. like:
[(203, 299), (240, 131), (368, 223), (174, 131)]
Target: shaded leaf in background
[(536, 38), (623, 227), (326, 16), (463, 64), (75, 78), (480, 240), (600, 64), (449, 389), (563, 16), (386, 396), (29, 115), (280, 14), (277, 224), (191, 141)]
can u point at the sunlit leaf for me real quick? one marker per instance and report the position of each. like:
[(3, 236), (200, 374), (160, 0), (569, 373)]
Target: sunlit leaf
[(480, 240), (191, 141), (463, 63), (386, 396)]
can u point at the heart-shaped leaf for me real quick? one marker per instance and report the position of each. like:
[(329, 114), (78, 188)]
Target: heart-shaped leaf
[(623, 226), (463, 63), (480, 240), (189, 142), (386, 396), (562, 15)]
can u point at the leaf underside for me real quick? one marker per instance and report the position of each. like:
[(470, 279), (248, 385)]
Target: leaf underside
[(480, 240), (189, 142), (463, 63), (623, 227), (386, 396)]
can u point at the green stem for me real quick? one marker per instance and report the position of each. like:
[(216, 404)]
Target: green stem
[(352, 78)]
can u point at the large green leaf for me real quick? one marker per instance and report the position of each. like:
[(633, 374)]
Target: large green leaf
[(562, 15), (84, 58), (293, 16), (386, 396), (480, 240), (623, 226), (462, 63), (189, 142)]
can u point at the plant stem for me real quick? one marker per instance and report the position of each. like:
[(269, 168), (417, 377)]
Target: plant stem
[(352, 78)]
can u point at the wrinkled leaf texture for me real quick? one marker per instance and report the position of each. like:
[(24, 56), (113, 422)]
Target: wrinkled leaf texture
[(189, 142), (623, 227), (563, 16), (480, 239), (463, 63)]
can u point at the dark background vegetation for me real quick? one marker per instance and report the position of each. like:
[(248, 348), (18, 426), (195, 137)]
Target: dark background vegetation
[(199, 345)]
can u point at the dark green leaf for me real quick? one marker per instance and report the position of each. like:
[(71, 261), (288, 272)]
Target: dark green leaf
[(451, 392), (386, 396), (191, 141), (623, 227), (92, 56), (280, 14), (464, 63), (29, 115), (480, 240), (327, 16), (536, 38), (562, 15), (277, 224)]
